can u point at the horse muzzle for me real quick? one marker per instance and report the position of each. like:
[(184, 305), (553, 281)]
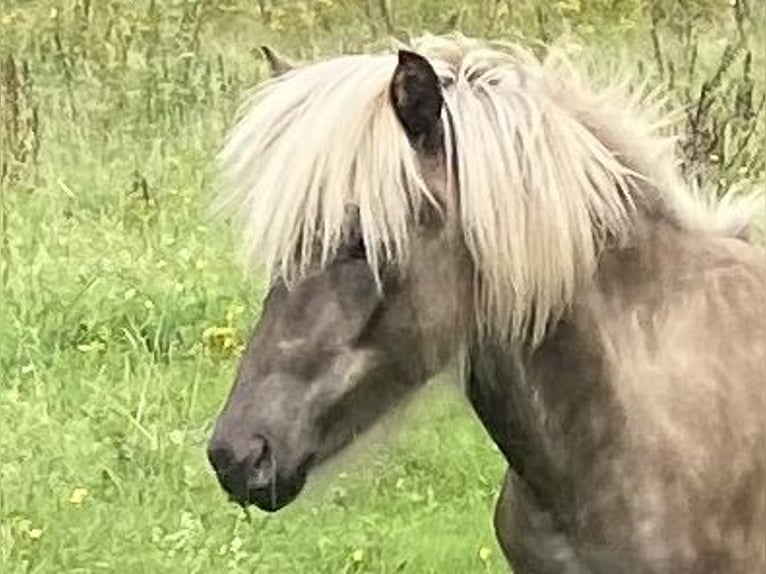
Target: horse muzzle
[(249, 473)]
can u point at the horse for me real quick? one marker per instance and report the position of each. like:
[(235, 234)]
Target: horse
[(456, 202)]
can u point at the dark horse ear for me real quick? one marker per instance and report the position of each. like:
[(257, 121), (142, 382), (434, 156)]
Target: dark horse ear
[(417, 98), (277, 64)]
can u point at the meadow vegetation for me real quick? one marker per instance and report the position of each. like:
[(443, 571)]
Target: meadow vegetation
[(123, 308)]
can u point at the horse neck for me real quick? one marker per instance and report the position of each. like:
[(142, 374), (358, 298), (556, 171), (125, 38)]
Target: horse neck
[(556, 408)]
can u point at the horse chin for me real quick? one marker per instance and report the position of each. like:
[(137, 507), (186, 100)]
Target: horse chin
[(277, 495), (285, 490)]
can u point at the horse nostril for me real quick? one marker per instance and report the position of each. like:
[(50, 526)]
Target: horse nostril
[(221, 457), (242, 465), (262, 464)]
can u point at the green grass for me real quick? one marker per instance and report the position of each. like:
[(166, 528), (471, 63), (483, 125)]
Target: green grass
[(110, 384), (123, 306), (119, 295)]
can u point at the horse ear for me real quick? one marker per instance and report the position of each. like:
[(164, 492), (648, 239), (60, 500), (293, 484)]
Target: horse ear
[(417, 97), (277, 64)]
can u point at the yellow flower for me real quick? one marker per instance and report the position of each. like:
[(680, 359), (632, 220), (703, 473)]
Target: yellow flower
[(35, 533), (221, 339), (78, 496), (357, 556), (484, 553)]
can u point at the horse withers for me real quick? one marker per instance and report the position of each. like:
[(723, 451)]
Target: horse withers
[(464, 202)]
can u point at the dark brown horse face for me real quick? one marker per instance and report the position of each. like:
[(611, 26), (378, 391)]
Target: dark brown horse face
[(328, 357), (334, 352)]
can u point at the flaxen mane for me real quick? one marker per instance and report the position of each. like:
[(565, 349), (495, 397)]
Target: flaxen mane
[(544, 170)]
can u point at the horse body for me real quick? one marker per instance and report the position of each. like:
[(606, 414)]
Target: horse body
[(635, 438), (490, 208)]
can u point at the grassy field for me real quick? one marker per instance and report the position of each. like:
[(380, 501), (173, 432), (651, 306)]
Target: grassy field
[(123, 308)]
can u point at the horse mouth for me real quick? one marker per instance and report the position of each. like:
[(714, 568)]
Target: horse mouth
[(276, 494), (273, 497)]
